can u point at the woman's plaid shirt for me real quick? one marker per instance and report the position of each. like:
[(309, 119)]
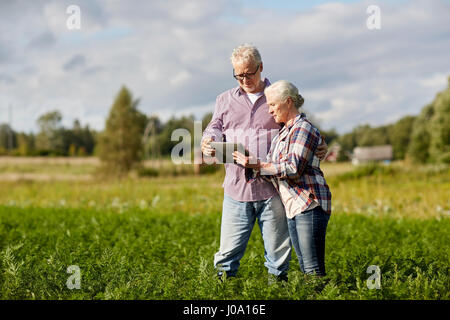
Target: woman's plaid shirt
[(292, 155)]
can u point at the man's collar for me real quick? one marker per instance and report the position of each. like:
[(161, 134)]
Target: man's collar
[(240, 91)]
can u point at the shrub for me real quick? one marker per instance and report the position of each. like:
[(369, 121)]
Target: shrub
[(368, 170)]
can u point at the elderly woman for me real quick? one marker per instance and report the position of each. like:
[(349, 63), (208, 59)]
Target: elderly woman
[(295, 171)]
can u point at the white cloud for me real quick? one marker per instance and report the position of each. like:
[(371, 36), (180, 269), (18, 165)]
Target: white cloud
[(436, 80), (180, 78), (174, 55)]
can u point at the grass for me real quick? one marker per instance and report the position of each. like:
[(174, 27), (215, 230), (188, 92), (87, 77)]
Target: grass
[(143, 254), (79, 165), (396, 191), (155, 238)]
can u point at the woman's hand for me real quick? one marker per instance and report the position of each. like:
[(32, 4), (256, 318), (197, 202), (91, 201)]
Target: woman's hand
[(322, 150), (246, 161)]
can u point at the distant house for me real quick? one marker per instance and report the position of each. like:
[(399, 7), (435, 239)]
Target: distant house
[(375, 153)]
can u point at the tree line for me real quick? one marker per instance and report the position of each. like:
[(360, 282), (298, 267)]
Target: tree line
[(424, 138), (130, 135), (52, 139)]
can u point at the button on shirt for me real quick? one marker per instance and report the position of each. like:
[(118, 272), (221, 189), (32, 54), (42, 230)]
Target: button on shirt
[(237, 119)]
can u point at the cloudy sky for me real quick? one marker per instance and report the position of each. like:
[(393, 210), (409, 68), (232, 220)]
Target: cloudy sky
[(174, 56)]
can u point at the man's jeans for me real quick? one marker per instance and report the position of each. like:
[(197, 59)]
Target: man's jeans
[(238, 219), (308, 230)]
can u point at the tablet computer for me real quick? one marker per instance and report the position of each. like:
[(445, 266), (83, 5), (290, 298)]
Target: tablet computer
[(224, 150)]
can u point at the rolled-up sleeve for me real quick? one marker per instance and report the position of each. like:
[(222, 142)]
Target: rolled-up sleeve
[(215, 126), (302, 145)]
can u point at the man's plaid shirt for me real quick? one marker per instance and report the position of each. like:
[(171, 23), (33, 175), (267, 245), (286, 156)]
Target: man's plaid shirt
[(292, 155)]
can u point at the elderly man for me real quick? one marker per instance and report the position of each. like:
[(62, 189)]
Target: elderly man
[(242, 115)]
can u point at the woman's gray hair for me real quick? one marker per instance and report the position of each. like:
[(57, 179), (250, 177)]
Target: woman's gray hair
[(245, 53), (283, 89)]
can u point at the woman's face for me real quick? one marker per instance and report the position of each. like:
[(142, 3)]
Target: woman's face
[(278, 110)]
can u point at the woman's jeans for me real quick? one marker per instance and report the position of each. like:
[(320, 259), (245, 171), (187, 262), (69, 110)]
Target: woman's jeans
[(307, 231), (238, 219)]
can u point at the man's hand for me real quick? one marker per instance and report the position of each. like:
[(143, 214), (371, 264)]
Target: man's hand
[(207, 150), (322, 150)]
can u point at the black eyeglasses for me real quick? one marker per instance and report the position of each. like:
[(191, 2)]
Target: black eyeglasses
[(245, 75)]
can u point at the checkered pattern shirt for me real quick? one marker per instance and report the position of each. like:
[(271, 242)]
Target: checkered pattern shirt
[(292, 155)]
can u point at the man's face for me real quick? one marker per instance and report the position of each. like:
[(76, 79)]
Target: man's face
[(250, 83)]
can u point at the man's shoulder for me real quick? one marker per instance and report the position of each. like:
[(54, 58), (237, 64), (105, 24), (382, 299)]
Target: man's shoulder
[(228, 93)]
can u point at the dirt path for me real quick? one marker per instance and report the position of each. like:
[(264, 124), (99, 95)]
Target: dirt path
[(44, 177), (7, 160), (50, 160)]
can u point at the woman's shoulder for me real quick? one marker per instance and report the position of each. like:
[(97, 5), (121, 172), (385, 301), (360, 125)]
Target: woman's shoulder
[(303, 124)]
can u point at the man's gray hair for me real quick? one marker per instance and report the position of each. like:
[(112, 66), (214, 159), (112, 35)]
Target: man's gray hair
[(245, 53), (283, 89)]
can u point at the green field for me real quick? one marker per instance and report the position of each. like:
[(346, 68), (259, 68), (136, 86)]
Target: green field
[(154, 238)]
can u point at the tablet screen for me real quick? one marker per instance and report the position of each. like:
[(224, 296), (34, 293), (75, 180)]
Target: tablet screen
[(224, 151)]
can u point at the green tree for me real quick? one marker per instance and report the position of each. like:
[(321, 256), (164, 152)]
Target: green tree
[(362, 136), (430, 139), (348, 143), (50, 138), (120, 144), (78, 138), (72, 150), (400, 135), (367, 136), (8, 137), (154, 127), (165, 138), (25, 144), (418, 149), (440, 127)]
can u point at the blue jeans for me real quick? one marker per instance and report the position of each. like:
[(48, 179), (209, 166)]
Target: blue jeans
[(238, 219), (307, 231)]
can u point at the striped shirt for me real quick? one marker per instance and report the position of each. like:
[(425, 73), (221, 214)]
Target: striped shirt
[(297, 168)]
